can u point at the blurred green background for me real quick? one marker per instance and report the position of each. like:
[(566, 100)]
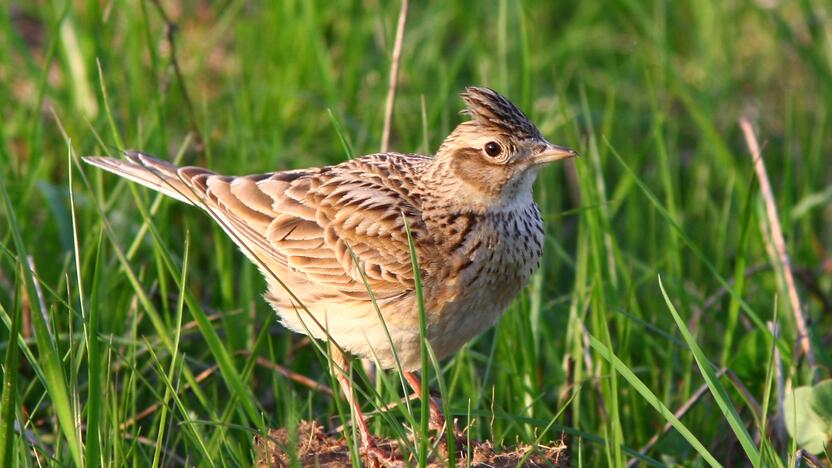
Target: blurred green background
[(112, 365)]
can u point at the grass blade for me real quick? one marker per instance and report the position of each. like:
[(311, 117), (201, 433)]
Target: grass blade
[(9, 396), (652, 399), (715, 387), (423, 344), (48, 357), (92, 444)]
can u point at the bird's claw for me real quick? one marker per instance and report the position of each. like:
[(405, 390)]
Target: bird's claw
[(378, 458)]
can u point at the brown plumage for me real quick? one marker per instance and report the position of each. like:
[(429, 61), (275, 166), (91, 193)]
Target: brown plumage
[(317, 234)]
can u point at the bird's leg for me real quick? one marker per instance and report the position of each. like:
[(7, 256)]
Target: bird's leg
[(437, 419), (341, 367)]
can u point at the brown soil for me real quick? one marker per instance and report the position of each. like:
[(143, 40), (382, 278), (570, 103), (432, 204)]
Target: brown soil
[(314, 447)]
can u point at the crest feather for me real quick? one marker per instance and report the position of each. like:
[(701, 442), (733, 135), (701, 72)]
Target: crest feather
[(490, 109)]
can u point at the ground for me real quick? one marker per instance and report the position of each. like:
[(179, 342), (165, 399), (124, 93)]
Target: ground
[(316, 447)]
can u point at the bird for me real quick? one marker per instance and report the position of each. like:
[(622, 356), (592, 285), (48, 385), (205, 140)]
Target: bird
[(334, 243)]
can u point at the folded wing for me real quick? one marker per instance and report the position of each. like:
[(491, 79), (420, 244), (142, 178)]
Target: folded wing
[(318, 227)]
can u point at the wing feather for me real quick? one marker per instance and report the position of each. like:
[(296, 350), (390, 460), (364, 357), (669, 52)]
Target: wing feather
[(318, 223)]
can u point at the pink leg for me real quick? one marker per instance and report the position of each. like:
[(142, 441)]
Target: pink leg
[(437, 419)]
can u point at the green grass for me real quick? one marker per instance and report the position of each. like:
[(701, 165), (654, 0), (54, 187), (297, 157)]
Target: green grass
[(134, 302)]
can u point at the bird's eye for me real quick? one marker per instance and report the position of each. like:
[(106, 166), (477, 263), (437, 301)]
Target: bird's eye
[(492, 148)]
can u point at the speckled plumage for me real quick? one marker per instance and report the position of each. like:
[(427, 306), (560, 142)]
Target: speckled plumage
[(477, 231)]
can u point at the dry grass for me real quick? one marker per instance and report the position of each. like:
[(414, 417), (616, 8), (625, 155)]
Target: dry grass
[(315, 447)]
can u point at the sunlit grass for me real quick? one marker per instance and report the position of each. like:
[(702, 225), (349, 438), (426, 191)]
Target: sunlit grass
[(131, 336)]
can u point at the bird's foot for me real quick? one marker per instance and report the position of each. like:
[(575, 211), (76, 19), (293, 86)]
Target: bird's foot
[(378, 458), (444, 434)]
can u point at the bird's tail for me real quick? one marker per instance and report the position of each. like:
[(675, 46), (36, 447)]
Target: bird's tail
[(159, 175)]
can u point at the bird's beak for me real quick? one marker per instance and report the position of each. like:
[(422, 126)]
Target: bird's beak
[(551, 153)]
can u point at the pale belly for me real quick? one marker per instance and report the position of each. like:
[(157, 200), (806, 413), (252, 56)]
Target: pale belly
[(467, 319), (481, 304)]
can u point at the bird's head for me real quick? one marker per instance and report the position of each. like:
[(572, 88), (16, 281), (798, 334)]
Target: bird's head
[(495, 155)]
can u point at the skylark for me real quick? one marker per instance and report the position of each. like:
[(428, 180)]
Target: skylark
[(319, 234)]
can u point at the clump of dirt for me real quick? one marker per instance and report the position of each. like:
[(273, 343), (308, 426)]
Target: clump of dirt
[(314, 447)]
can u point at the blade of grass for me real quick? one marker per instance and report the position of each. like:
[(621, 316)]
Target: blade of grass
[(96, 389), (105, 97), (394, 75), (739, 275), (423, 343), (92, 446), (189, 421), (48, 357), (342, 137), (768, 453), (652, 399), (177, 333), (781, 262), (718, 392), (76, 68), (8, 401)]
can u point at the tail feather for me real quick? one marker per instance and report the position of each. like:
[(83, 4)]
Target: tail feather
[(156, 174), (194, 186)]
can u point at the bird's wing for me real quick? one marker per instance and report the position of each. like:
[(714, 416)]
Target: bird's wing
[(320, 224), (330, 223)]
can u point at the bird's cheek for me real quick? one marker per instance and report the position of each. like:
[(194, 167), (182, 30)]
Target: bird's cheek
[(486, 178)]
